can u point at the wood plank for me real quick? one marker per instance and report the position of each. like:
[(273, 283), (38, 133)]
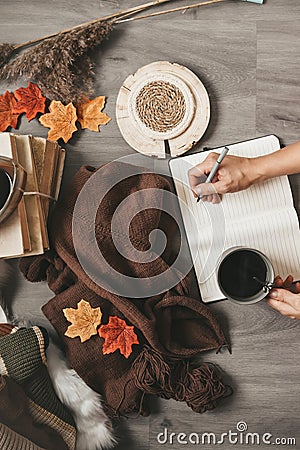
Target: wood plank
[(262, 398), (132, 433), (248, 57), (230, 81), (278, 89)]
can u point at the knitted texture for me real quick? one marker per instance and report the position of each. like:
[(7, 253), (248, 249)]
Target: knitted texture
[(18, 428), (10, 440), (171, 326), (23, 359)]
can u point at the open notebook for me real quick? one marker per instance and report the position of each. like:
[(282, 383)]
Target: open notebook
[(261, 217)]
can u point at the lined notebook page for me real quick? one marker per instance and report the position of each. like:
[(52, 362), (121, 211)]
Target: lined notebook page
[(261, 217)]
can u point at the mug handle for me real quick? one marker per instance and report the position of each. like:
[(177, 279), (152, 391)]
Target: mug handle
[(19, 176)]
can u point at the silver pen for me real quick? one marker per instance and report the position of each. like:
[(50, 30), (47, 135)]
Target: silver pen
[(215, 168)]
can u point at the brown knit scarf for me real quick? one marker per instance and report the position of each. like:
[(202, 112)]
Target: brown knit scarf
[(171, 326)]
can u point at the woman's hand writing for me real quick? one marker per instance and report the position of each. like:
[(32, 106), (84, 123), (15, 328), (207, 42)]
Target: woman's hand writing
[(235, 174)]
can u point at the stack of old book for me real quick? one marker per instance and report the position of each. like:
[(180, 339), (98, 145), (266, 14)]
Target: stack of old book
[(24, 232)]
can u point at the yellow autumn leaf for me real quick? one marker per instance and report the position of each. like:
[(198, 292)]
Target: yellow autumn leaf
[(90, 115), (61, 121), (84, 319)]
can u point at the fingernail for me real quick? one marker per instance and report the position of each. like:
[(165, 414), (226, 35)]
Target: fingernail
[(273, 294), (198, 190)]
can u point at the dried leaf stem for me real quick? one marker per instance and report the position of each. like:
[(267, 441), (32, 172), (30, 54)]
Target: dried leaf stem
[(119, 15), (167, 11)]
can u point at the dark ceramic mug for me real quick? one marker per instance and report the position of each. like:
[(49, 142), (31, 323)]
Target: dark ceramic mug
[(245, 275), (12, 183)]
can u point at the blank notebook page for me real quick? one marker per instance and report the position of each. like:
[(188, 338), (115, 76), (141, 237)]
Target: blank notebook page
[(261, 217)]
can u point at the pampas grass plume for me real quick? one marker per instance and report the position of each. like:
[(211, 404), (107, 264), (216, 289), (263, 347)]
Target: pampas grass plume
[(6, 51), (61, 65)]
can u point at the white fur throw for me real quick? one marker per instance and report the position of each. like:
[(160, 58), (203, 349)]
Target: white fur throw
[(93, 426)]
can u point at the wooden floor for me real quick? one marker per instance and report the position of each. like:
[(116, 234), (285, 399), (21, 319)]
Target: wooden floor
[(248, 57)]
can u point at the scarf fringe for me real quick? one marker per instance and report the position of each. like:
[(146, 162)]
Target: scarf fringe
[(200, 387)]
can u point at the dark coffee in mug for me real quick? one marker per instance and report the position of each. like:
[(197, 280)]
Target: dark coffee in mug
[(237, 273), (5, 187)]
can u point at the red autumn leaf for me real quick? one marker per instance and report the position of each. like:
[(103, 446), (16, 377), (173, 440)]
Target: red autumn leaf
[(30, 101), (8, 118), (118, 336)]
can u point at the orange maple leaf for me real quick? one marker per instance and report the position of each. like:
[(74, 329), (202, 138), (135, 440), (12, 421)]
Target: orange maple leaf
[(90, 115), (84, 319), (118, 336), (30, 101), (61, 121), (8, 118)]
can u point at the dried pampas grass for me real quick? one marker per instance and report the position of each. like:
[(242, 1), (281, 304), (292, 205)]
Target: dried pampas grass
[(6, 51), (62, 65)]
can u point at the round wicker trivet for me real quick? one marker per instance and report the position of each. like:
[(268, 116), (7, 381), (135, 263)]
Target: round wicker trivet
[(160, 106)]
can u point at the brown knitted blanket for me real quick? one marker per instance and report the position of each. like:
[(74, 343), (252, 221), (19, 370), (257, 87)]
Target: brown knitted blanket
[(171, 326)]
